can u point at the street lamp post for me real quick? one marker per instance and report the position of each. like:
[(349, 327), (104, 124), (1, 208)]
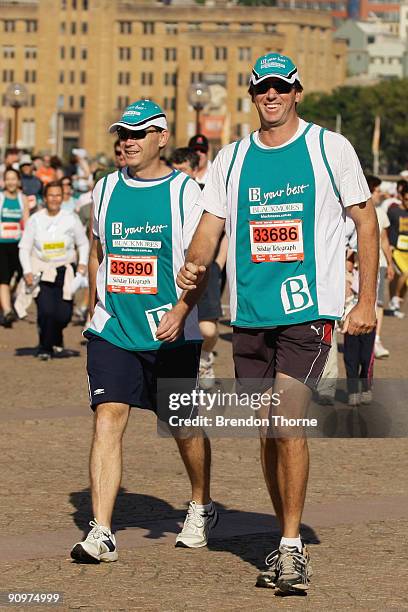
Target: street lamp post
[(198, 96), (16, 97)]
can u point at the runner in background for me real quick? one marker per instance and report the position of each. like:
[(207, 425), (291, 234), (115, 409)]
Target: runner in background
[(31, 185), (69, 203), (46, 173), (48, 255), (120, 161), (386, 268), (199, 143), (398, 237), (186, 160), (14, 212), (395, 200)]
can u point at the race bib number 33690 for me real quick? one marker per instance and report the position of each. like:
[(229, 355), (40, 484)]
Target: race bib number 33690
[(132, 274), (276, 240)]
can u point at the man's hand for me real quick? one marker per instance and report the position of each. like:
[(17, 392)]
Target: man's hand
[(29, 279), (81, 269), (390, 272), (360, 320), (190, 276), (172, 324)]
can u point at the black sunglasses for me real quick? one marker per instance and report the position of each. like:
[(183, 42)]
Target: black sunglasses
[(124, 134), (281, 87), (118, 152)]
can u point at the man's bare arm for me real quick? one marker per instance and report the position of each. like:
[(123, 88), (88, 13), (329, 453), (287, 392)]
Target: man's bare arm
[(362, 318), (201, 252), (95, 258)]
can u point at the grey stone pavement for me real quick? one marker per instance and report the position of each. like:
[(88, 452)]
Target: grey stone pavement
[(355, 515)]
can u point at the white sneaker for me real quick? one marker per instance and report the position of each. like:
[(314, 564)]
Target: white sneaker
[(206, 373), (366, 397), (380, 352), (354, 399), (197, 526), (394, 305), (99, 545)]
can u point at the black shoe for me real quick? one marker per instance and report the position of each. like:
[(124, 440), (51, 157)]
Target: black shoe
[(293, 570), (43, 355), (8, 319)]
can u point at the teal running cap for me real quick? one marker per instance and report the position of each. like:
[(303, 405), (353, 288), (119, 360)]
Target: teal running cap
[(274, 65), (140, 115)]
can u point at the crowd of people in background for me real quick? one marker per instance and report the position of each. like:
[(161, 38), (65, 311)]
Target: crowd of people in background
[(39, 192)]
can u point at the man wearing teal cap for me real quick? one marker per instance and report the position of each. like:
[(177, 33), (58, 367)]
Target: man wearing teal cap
[(282, 193), (144, 216)]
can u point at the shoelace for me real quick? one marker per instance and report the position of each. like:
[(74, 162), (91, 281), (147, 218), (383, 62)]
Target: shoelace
[(97, 530), (290, 561), (272, 558), (194, 520)]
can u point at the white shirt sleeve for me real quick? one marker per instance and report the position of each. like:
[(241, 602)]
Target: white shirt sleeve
[(214, 196), (347, 172), (192, 211), (26, 245), (81, 241), (96, 200)]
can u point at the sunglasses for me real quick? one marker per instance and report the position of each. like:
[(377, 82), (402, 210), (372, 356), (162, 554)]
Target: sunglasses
[(281, 87), (124, 134)]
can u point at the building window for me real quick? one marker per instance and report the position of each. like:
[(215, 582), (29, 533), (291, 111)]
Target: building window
[(85, 5), (220, 53), (30, 52), (32, 100), (61, 77), (147, 54), (148, 27), (122, 102), (245, 27), (8, 76), (196, 77), (63, 5), (194, 26), (125, 27), (30, 76), (84, 53), (62, 52), (197, 53), (270, 27), (244, 53), (73, 27), (222, 27), (243, 79), (171, 28), (124, 78), (170, 54), (71, 102), (9, 52), (73, 52), (147, 78), (84, 27), (72, 77), (370, 40), (31, 25), (170, 78), (9, 25), (74, 5), (82, 77), (81, 101), (125, 53), (28, 132), (62, 27)]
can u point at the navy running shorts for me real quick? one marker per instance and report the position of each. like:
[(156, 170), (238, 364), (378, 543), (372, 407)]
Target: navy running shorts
[(299, 351), (209, 305), (130, 377)]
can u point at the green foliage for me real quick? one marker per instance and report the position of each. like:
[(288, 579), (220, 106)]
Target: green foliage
[(358, 107)]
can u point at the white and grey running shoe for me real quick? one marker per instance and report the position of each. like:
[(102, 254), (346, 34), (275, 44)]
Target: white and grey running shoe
[(206, 373), (380, 352), (197, 526), (99, 545), (267, 579), (293, 570), (366, 397), (354, 399)]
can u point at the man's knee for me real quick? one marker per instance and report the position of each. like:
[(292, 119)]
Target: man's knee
[(110, 420)]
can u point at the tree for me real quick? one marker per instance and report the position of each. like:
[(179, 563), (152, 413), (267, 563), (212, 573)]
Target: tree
[(358, 107)]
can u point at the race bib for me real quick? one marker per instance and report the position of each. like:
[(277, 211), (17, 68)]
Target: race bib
[(132, 274), (276, 240), (54, 251), (10, 230), (402, 243)]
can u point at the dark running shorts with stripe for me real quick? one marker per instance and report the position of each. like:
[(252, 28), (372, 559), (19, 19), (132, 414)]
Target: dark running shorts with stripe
[(299, 351), (130, 377)]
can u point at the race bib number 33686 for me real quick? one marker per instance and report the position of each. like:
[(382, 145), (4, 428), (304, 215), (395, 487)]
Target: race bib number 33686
[(276, 240), (132, 274)]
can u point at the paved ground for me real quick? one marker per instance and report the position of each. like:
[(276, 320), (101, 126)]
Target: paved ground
[(355, 515)]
